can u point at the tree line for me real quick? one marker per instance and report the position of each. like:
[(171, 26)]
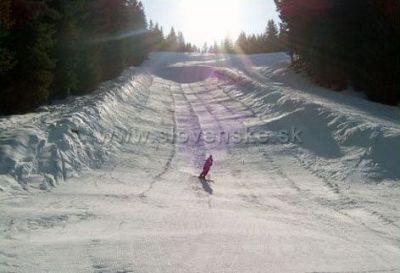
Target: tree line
[(346, 43), (50, 49), (53, 48), (272, 40), (174, 41)]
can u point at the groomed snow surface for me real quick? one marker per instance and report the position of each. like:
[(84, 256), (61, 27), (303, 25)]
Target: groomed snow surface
[(304, 179)]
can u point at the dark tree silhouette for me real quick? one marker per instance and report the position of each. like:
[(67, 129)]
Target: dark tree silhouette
[(53, 48), (341, 43)]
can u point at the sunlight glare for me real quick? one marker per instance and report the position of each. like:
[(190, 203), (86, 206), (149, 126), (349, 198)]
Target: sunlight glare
[(211, 20)]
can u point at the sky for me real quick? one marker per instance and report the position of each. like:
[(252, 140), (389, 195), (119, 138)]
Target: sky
[(209, 20)]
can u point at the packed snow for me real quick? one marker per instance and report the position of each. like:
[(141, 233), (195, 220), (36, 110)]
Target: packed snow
[(304, 179)]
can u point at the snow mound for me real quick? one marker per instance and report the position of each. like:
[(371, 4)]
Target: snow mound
[(343, 137), (39, 150)]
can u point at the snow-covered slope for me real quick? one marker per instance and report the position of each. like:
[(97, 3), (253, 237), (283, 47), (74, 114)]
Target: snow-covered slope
[(305, 179), (344, 138)]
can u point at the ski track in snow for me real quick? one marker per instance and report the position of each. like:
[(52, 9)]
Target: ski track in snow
[(70, 202)]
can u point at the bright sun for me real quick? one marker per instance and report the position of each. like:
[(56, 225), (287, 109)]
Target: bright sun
[(210, 20)]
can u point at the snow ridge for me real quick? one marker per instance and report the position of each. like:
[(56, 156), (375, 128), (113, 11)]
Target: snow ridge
[(339, 142), (41, 149)]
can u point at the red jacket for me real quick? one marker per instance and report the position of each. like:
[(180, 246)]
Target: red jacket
[(208, 163)]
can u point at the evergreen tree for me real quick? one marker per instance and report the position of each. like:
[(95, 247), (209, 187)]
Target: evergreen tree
[(56, 48), (7, 57), (215, 48), (65, 50), (330, 40), (242, 43), (111, 23), (151, 25), (205, 48), (271, 37), (272, 30), (155, 38), (181, 45), (89, 71), (261, 43), (137, 28), (172, 40), (25, 84), (227, 45)]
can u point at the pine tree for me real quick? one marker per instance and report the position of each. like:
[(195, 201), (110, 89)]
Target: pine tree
[(271, 31), (181, 45), (205, 48), (242, 44), (151, 25), (89, 70), (65, 53), (227, 45), (7, 57), (330, 40), (215, 48), (136, 25), (271, 37), (172, 40), (26, 84), (56, 48)]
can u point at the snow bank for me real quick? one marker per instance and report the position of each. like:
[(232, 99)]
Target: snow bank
[(344, 137), (39, 150)]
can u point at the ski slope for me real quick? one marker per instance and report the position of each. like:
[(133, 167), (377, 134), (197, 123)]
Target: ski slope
[(304, 179)]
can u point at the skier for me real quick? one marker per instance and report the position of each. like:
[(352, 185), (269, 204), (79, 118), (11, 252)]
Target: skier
[(206, 168)]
